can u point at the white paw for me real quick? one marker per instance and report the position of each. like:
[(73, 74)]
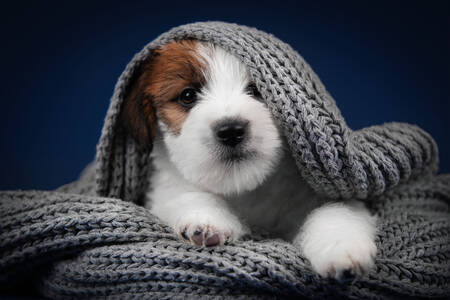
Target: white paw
[(338, 239), (204, 235), (343, 259), (208, 231)]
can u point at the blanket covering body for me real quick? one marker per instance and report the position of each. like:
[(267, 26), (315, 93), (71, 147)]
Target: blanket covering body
[(90, 239)]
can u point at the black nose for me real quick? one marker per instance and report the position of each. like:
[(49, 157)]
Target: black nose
[(231, 132)]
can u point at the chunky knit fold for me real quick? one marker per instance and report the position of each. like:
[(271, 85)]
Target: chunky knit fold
[(97, 247), (335, 160), (91, 239)]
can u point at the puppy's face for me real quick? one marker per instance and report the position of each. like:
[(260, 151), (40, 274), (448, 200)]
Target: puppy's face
[(202, 104)]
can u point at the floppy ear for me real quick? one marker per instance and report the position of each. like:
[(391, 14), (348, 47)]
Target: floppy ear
[(138, 113)]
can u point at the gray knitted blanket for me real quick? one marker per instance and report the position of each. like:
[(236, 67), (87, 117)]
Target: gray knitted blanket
[(91, 239)]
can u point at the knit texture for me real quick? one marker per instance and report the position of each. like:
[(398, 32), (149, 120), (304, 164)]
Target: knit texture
[(90, 239)]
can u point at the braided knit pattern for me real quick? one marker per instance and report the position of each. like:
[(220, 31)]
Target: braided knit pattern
[(97, 247), (89, 238), (335, 160)]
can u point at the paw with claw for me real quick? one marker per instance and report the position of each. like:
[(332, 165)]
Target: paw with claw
[(344, 260), (208, 231), (205, 235), (339, 241)]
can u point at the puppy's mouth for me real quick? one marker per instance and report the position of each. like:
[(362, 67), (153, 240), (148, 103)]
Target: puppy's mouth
[(235, 155)]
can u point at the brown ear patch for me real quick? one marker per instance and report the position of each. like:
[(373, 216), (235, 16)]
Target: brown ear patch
[(138, 117), (170, 70)]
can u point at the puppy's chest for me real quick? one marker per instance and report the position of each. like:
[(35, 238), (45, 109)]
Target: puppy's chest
[(280, 205)]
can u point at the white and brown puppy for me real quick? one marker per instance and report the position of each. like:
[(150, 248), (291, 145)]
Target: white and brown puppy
[(222, 166)]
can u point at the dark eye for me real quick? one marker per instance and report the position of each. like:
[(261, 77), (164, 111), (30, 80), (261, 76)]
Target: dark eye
[(188, 97), (252, 90)]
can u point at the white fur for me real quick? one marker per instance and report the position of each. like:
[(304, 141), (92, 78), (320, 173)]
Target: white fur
[(182, 205), (193, 151), (337, 237), (194, 191)]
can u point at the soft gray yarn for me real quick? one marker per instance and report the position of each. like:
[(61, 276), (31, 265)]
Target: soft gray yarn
[(333, 159), (81, 241)]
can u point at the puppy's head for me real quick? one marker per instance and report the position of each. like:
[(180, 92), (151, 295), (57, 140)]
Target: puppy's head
[(200, 101)]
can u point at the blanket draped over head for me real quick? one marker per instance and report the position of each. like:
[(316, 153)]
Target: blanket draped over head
[(91, 239)]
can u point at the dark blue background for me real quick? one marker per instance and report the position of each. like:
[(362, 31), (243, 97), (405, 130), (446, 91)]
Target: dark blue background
[(381, 61)]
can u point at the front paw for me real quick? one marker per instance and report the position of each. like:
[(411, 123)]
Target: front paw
[(343, 260), (208, 231), (204, 235)]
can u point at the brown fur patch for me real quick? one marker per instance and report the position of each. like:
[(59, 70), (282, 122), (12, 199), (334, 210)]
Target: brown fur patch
[(170, 70)]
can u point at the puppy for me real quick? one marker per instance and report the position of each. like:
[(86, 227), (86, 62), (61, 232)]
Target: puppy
[(222, 167)]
